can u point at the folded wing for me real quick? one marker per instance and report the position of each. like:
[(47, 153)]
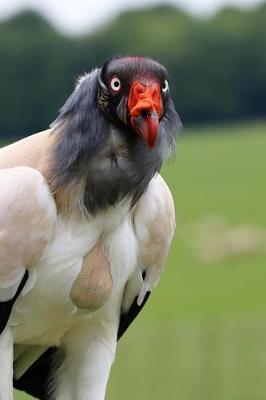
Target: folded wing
[(154, 222), (27, 218)]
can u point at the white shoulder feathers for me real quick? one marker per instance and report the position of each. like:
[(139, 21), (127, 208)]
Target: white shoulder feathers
[(27, 218)]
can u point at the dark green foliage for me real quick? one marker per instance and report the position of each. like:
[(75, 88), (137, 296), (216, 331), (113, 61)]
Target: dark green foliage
[(217, 66)]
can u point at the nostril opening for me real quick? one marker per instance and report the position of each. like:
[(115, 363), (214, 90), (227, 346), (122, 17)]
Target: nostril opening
[(144, 113), (147, 113)]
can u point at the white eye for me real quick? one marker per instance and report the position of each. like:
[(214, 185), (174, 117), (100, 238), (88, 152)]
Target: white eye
[(165, 86), (115, 84)]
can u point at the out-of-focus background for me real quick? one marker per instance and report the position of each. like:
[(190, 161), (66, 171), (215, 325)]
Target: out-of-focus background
[(203, 334)]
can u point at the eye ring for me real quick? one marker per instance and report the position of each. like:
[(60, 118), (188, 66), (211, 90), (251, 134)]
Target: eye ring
[(165, 86), (115, 84)]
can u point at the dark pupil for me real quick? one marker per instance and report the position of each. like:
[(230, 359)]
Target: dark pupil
[(116, 84)]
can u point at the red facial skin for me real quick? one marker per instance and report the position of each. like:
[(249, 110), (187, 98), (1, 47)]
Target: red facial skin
[(145, 107)]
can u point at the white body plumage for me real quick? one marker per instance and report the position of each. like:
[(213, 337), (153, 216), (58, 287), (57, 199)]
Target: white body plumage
[(44, 314)]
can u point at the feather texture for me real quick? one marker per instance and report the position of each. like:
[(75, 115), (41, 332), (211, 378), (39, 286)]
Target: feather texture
[(83, 208)]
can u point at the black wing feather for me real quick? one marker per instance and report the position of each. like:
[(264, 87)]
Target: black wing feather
[(6, 306)]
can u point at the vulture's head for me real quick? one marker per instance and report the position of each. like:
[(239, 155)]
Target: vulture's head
[(130, 92), (134, 91), (127, 98)]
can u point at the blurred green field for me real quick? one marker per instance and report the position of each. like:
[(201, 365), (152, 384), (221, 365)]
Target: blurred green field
[(203, 334)]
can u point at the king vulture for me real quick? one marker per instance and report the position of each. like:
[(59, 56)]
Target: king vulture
[(86, 223)]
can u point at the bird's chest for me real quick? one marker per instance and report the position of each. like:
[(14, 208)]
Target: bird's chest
[(46, 312)]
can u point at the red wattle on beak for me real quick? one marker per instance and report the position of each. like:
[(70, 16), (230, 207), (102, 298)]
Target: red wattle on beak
[(145, 108)]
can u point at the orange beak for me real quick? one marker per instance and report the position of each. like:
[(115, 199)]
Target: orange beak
[(145, 108)]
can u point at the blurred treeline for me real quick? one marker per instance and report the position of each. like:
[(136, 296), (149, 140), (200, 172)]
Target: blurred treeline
[(217, 66)]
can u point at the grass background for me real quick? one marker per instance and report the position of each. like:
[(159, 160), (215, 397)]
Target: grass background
[(203, 333)]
